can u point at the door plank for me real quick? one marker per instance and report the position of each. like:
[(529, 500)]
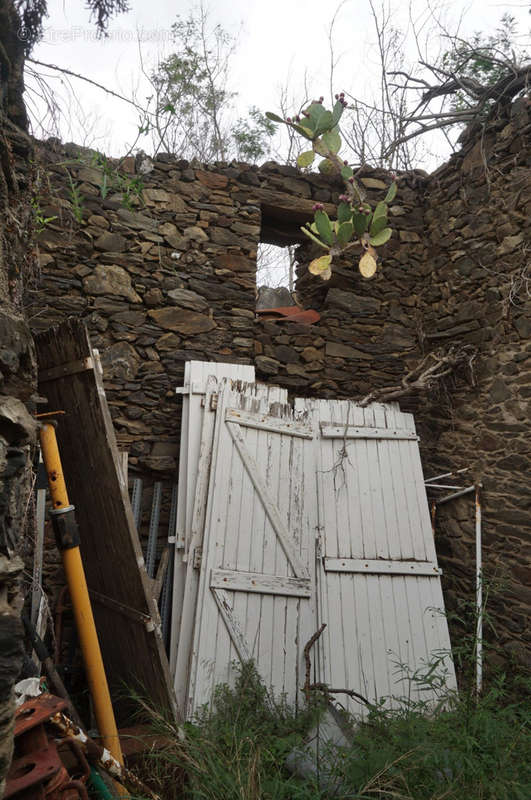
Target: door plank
[(240, 537), (256, 582), (330, 430), (373, 520), (110, 546), (264, 422), (382, 567), (181, 650), (236, 634)]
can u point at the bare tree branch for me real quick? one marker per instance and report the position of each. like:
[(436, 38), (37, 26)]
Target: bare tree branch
[(69, 72), (425, 375), (482, 100)]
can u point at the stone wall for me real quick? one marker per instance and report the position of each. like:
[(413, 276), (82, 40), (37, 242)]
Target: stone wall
[(172, 277), (161, 262), (17, 365), (477, 226)]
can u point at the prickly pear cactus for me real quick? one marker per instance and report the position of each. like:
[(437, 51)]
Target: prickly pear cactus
[(357, 223)]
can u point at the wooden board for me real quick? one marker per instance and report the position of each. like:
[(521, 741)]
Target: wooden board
[(329, 431), (381, 567), (183, 627), (132, 647)]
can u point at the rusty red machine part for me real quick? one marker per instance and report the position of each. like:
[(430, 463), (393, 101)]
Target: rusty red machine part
[(42, 768)]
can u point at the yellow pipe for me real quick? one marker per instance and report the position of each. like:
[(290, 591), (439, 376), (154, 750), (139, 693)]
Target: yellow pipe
[(77, 585)]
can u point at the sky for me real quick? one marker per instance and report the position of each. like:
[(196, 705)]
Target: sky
[(279, 41)]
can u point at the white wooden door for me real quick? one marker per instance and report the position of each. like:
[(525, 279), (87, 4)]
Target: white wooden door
[(256, 596), (196, 377), (379, 588), (183, 645)]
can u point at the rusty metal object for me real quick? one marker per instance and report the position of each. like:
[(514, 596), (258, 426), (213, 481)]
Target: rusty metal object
[(33, 771), (101, 756), (71, 790), (35, 711), (289, 314), (37, 771)]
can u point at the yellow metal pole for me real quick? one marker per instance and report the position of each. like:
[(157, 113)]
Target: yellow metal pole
[(66, 529)]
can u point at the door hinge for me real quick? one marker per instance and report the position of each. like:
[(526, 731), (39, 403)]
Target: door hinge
[(198, 552)]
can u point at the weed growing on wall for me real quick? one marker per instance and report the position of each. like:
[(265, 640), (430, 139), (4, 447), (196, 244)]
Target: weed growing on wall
[(113, 180), (76, 199), (41, 221)]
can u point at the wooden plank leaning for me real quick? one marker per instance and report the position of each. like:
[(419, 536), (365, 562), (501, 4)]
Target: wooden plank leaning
[(133, 650)]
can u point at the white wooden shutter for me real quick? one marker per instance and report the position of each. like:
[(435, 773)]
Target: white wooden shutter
[(196, 375), (257, 570), (379, 588)]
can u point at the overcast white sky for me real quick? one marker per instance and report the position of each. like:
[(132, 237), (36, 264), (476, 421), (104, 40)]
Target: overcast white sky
[(278, 39)]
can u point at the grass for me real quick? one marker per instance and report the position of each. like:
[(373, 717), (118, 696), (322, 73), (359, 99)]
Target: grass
[(471, 749)]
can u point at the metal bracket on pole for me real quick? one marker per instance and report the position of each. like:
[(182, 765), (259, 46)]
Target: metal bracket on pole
[(454, 495), (65, 527)]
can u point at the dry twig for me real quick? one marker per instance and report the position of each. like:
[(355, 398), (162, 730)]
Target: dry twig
[(431, 369), (307, 647), (481, 100), (322, 687)]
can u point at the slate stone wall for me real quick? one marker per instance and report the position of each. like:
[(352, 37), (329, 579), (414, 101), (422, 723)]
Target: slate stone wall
[(17, 371), (171, 276), (161, 263), (478, 211)]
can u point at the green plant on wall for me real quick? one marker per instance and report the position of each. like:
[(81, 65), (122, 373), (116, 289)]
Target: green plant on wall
[(76, 198), (40, 220), (113, 180), (357, 223)]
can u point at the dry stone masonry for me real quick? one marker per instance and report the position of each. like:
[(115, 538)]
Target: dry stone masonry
[(159, 257), (174, 278), (17, 382)]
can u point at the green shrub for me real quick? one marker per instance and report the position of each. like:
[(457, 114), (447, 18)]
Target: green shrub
[(464, 749)]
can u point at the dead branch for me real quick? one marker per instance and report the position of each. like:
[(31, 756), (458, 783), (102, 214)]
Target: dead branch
[(322, 687), (424, 376), (307, 647), (481, 100), (507, 85), (71, 74)]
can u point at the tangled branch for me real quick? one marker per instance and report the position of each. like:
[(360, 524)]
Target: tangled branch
[(479, 100), (327, 691), (322, 687), (432, 368)]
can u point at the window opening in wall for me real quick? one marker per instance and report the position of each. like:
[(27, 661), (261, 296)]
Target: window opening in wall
[(277, 258), (275, 266)]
